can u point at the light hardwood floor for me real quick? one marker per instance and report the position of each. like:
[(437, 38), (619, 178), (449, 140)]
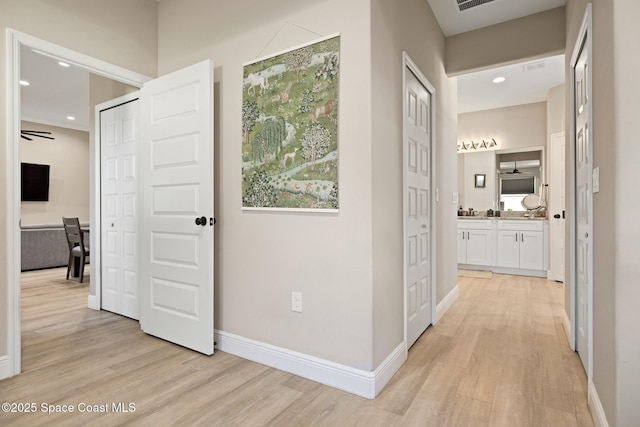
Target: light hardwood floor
[(499, 357)]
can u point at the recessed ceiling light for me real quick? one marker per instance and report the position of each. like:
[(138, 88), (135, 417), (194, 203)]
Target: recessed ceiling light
[(24, 83), (499, 79), (70, 118), (63, 64)]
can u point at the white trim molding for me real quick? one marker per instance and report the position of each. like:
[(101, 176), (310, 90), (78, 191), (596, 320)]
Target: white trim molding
[(93, 303), (595, 407), (5, 368), (447, 302), (362, 383)]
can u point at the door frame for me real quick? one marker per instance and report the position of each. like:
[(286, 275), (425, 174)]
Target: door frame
[(15, 40), (584, 39), (408, 64)]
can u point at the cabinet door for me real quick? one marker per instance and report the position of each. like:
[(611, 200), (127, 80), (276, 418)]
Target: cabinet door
[(532, 250), (508, 248), (479, 246), (462, 246)]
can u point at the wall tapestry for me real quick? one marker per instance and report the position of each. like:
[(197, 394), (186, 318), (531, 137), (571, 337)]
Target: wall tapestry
[(290, 129)]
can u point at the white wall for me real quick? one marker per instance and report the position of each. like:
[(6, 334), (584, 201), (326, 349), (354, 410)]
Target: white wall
[(262, 257), (407, 25), (68, 157), (535, 36), (480, 199), (122, 32), (513, 128), (348, 266), (627, 235), (555, 110)]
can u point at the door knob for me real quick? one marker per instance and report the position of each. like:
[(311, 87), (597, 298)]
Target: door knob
[(557, 216), (201, 221), (212, 221)]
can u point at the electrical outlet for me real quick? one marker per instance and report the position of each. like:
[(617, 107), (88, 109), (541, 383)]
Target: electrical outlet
[(296, 302)]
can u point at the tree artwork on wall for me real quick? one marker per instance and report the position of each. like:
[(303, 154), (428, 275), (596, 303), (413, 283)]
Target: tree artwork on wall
[(290, 129)]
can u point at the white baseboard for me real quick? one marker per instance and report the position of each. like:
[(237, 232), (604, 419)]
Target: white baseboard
[(5, 369), (362, 383), (92, 302), (595, 407), (446, 303)]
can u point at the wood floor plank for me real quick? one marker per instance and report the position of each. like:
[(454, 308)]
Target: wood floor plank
[(499, 357)]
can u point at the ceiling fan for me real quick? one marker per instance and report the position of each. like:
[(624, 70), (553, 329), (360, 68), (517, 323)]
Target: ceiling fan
[(515, 170), (26, 134)]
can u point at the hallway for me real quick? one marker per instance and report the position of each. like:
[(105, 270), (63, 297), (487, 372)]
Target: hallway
[(499, 357)]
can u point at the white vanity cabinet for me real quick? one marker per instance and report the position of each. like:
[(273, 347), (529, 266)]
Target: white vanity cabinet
[(475, 242), (509, 246), (521, 244)]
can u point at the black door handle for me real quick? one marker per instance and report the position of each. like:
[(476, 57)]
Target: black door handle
[(201, 221), (557, 216)]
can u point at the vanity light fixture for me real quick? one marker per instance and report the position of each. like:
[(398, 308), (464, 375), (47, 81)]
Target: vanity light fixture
[(462, 146), (63, 64), (24, 83), (71, 118), (499, 79)]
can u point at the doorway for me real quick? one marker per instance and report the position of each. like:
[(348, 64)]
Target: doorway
[(15, 41)]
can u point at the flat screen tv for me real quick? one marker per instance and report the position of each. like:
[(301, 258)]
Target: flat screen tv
[(35, 182)]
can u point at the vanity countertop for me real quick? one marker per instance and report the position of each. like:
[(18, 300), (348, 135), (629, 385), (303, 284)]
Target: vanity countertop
[(517, 218)]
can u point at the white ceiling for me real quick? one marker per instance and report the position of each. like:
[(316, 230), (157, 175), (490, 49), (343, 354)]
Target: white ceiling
[(452, 21), (525, 83), (54, 92)]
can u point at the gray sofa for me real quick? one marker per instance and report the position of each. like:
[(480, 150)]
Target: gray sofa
[(44, 246)]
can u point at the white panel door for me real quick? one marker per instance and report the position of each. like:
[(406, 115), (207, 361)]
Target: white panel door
[(176, 247), (119, 136), (418, 206), (584, 256), (557, 208)]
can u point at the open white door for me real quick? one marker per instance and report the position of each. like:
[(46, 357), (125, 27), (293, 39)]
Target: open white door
[(176, 246)]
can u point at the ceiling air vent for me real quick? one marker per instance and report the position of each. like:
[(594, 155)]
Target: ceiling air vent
[(533, 66), (468, 4)]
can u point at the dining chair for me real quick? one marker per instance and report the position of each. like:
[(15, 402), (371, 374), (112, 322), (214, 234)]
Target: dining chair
[(77, 248)]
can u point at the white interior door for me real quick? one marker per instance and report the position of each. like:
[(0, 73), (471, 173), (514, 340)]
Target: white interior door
[(417, 165), (176, 262), (119, 138), (583, 191), (557, 207)]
